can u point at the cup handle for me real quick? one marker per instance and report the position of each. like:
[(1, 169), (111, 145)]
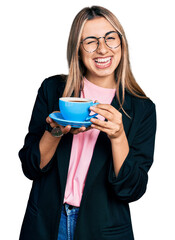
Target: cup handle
[(94, 115)]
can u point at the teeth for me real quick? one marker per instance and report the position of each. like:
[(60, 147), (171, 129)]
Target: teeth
[(102, 60)]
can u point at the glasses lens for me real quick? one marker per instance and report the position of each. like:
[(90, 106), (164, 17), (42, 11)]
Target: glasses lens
[(90, 44), (112, 40)]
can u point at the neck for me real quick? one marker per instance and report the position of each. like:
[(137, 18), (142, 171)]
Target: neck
[(105, 82)]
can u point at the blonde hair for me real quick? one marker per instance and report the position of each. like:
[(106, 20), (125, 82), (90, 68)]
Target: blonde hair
[(123, 73)]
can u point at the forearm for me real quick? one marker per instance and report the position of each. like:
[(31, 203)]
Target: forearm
[(47, 146), (120, 150)]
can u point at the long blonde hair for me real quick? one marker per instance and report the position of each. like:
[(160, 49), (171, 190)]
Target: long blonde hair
[(123, 73)]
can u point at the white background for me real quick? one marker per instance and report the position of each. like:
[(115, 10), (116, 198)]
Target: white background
[(33, 46)]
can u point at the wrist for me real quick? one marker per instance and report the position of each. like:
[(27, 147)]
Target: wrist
[(120, 138), (49, 138), (56, 132)]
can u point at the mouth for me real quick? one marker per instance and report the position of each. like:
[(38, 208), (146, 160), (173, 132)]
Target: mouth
[(103, 62)]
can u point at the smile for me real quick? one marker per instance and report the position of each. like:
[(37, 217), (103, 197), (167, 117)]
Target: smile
[(103, 62)]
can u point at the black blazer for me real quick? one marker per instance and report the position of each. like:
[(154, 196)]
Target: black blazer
[(104, 211)]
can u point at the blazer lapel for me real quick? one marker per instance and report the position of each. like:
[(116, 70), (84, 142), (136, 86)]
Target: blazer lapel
[(127, 120), (102, 150)]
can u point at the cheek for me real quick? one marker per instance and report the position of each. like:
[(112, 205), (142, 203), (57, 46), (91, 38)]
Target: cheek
[(117, 58), (87, 61), (85, 57)]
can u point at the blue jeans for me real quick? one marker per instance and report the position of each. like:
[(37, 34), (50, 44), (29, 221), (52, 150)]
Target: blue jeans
[(68, 222)]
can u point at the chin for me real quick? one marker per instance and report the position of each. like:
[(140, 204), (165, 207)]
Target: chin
[(104, 73)]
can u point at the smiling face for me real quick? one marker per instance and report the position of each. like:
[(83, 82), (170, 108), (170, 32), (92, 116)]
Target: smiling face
[(102, 62)]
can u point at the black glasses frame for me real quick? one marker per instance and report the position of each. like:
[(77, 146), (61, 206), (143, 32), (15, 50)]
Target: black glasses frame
[(119, 34)]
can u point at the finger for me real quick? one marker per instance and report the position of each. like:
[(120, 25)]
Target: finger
[(83, 129), (78, 130), (54, 124), (100, 123), (106, 114), (106, 130), (55, 111), (106, 107), (49, 120), (88, 128), (66, 129)]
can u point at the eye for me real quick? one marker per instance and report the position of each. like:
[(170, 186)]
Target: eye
[(110, 38), (90, 42)]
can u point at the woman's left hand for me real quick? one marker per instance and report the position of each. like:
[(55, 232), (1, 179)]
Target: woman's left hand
[(113, 127)]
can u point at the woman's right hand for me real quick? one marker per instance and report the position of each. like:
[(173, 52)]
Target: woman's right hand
[(48, 143), (67, 128)]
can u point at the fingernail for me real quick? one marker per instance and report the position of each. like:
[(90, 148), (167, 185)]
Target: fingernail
[(92, 108)]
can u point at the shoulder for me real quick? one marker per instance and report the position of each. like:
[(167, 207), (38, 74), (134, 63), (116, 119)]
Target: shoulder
[(142, 116), (55, 81), (140, 105), (54, 84)]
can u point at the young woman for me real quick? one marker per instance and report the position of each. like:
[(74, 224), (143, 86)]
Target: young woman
[(83, 179)]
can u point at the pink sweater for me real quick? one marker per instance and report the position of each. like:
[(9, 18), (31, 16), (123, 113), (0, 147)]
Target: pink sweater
[(83, 146)]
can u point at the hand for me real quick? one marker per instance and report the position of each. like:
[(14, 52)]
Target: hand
[(114, 125), (66, 129)]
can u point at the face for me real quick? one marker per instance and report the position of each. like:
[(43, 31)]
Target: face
[(103, 61)]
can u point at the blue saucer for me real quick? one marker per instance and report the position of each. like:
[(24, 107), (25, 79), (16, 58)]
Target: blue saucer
[(58, 118)]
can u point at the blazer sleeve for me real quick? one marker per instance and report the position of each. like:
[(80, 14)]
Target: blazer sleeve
[(30, 154), (131, 182)]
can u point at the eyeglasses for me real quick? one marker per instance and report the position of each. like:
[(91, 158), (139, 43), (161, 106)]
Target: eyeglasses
[(112, 40)]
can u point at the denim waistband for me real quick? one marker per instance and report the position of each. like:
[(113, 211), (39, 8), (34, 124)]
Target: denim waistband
[(70, 209)]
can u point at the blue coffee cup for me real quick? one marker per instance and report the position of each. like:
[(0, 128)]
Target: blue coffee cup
[(76, 109)]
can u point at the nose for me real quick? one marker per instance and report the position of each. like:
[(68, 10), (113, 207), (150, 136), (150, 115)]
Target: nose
[(102, 48)]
